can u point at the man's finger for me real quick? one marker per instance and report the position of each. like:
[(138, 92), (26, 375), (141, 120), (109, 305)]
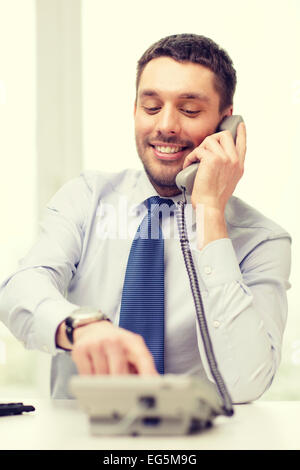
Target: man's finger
[(116, 358), (139, 356), (227, 143), (192, 157), (83, 362), (221, 146), (99, 361), (241, 141)]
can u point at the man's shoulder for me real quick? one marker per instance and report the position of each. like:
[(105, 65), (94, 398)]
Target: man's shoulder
[(79, 194), (249, 227), (104, 181)]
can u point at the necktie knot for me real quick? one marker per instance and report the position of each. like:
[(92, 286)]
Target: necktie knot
[(158, 201), (157, 208)]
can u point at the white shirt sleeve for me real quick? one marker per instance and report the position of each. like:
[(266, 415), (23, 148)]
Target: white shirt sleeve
[(246, 309), (33, 300)]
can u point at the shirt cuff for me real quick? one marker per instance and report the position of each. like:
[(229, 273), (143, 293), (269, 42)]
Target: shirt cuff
[(217, 263), (49, 314)]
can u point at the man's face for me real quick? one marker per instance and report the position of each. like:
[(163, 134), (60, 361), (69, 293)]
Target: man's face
[(177, 107)]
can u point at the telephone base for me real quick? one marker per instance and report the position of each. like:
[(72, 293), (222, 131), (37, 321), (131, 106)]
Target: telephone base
[(135, 405), (148, 425)]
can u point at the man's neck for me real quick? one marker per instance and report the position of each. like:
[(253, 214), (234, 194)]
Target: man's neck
[(165, 191)]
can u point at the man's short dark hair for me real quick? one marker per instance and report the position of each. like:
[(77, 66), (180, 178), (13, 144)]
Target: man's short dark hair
[(199, 50)]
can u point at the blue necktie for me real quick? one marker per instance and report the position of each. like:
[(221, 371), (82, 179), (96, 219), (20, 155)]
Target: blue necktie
[(142, 306)]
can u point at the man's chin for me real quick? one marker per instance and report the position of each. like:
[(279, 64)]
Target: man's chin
[(165, 182)]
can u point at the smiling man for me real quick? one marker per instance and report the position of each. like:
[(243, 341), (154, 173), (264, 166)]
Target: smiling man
[(140, 314), (173, 117)]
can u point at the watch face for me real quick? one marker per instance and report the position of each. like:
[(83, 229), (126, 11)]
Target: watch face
[(85, 316)]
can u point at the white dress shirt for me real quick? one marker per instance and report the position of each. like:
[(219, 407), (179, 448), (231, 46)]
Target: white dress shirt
[(80, 259)]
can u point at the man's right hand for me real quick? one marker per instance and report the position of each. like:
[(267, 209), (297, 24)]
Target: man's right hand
[(103, 348)]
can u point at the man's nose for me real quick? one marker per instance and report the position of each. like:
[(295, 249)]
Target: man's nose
[(168, 121)]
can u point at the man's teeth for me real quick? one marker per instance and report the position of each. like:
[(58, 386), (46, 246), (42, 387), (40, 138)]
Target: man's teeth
[(168, 149)]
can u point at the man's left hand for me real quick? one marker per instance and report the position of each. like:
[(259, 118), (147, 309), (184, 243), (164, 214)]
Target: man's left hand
[(221, 167)]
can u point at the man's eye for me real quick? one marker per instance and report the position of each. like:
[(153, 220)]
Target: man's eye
[(188, 111), (151, 110)]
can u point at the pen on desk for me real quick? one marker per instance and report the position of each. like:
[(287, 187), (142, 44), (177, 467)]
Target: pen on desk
[(7, 409)]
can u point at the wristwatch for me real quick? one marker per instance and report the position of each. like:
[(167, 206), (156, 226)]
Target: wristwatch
[(80, 317)]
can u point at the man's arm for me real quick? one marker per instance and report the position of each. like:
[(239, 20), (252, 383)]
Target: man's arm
[(33, 303), (246, 309), (245, 305)]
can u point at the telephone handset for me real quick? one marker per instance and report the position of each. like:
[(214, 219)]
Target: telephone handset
[(185, 179)]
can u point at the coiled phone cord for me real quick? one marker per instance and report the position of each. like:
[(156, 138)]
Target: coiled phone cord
[(189, 263)]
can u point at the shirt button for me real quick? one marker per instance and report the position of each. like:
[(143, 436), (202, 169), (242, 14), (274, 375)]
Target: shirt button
[(216, 324), (207, 270)]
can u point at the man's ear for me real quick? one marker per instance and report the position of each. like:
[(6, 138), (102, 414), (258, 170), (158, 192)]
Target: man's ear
[(134, 109), (227, 112)]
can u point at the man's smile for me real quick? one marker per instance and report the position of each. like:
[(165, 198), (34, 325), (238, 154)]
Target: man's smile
[(168, 152)]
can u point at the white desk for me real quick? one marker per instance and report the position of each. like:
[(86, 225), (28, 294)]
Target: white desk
[(60, 425)]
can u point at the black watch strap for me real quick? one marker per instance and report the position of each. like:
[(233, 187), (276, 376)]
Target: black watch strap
[(69, 329), (82, 317)]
